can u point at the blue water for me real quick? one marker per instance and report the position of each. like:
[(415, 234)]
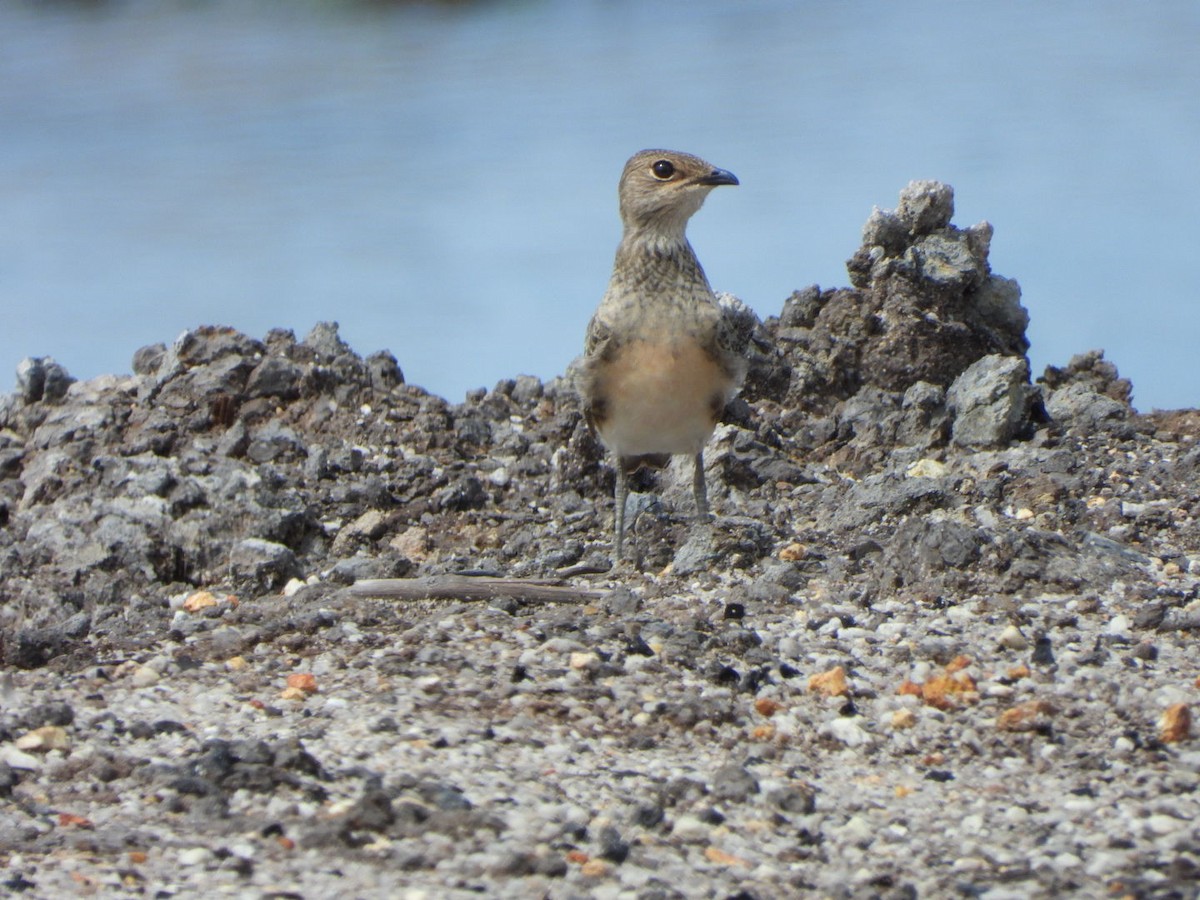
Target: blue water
[(440, 179)]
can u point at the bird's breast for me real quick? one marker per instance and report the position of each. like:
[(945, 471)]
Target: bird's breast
[(659, 395)]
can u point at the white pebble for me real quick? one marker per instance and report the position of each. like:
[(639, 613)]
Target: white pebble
[(193, 856), (848, 730), (1013, 639)]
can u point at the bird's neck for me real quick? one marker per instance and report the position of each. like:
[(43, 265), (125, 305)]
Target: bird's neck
[(644, 246), (657, 260)]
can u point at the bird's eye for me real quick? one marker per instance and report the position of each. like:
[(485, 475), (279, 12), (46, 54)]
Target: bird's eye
[(663, 169)]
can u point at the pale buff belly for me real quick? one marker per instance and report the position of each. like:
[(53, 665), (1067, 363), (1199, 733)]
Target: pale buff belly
[(660, 397)]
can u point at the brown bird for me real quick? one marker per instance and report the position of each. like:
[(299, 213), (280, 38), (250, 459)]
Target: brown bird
[(661, 358)]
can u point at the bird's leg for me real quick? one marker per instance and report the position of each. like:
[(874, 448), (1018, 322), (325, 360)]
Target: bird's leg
[(621, 494), (700, 490)]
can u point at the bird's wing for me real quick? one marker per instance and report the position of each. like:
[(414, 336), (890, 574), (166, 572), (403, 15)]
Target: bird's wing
[(598, 334)]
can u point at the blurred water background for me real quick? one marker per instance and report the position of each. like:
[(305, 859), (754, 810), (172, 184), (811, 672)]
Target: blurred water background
[(440, 178)]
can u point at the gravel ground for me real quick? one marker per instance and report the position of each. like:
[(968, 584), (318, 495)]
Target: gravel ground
[(939, 642)]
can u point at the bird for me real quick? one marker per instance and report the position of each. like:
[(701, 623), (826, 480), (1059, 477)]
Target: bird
[(661, 359)]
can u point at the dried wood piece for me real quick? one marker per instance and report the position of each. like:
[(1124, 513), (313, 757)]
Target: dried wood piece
[(471, 587)]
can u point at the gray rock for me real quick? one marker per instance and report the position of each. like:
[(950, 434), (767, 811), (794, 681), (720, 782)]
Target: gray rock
[(275, 441), (732, 783), (325, 341), (887, 230), (948, 262), (31, 379), (275, 377), (696, 554), (383, 371), (926, 206), (997, 306), (991, 402), (924, 419), (42, 379), (147, 360), (527, 390), (923, 548), (1079, 406), (266, 564), (801, 308)]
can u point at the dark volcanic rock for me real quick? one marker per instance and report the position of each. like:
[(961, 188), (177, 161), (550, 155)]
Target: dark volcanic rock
[(925, 305)]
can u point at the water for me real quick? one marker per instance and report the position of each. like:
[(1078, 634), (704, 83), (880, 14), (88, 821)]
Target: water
[(440, 179)]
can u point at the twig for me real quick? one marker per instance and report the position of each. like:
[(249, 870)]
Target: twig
[(463, 587)]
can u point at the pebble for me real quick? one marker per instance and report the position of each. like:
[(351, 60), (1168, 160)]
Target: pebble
[(1012, 639), (43, 740), (690, 828), (847, 730), (144, 676), (194, 856)]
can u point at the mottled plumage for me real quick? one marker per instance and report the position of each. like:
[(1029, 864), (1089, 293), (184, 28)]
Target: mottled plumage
[(661, 359)]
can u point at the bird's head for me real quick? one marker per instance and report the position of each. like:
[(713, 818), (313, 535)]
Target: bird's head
[(661, 189)]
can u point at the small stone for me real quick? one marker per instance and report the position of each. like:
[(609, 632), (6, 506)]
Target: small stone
[(612, 846), (1012, 639), (1162, 824), (199, 600), (796, 799), (945, 691), (847, 730), (733, 783), (293, 587), (595, 868), (194, 856), (903, 718), (584, 660), (690, 828), (926, 468), (1176, 724), (412, 543), (304, 682), (43, 740), (719, 857), (831, 683), (793, 552), (267, 563), (765, 706), (1118, 626), (1025, 717), (144, 676), (17, 759)]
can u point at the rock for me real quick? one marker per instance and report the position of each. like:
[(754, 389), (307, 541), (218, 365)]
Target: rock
[(44, 739), (924, 548), (991, 402), (149, 359), (384, 371), (325, 341), (42, 379), (925, 206), (1080, 407), (275, 377), (264, 563), (733, 784), (1094, 371)]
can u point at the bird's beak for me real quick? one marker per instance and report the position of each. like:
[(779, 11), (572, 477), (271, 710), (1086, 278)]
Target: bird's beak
[(716, 177)]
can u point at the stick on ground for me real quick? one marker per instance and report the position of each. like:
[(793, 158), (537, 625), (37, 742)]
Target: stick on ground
[(470, 587)]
